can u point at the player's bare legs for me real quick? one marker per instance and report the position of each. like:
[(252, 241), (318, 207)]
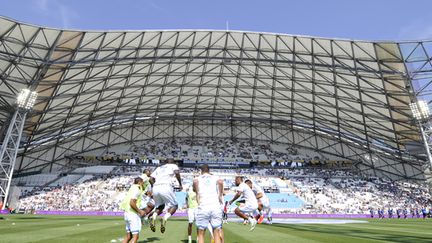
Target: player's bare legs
[(201, 234), (244, 216), (190, 232), (134, 238), (240, 214), (131, 238), (157, 212), (218, 235), (170, 212), (128, 237)]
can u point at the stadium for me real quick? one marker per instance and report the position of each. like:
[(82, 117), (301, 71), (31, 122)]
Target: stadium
[(329, 128)]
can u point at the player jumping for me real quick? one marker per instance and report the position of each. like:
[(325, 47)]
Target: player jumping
[(163, 192)]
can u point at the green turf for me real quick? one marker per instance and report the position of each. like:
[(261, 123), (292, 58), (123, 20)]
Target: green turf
[(34, 228)]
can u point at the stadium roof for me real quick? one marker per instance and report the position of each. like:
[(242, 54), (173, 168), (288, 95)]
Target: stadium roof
[(343, 98)]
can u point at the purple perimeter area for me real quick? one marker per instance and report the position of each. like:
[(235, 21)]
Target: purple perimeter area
[(84, 213)]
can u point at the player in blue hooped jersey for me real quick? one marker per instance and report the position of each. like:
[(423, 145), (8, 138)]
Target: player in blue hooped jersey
[(405, 213), (390, 213)]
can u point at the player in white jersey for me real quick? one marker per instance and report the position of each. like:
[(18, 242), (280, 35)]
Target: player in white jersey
[(163, 192), (245, 210), (192, 205), (263, 202), (209, 190)]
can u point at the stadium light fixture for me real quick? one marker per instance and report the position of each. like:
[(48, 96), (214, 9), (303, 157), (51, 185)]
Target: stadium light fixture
[(420, 110), (26, 99), (421, 113)]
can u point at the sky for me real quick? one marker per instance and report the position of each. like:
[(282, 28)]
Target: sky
[(361, 19)]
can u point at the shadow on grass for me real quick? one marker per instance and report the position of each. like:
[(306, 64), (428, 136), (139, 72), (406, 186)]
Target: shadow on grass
[(150, 239), (359, 233), (63, 218), (30, 218)]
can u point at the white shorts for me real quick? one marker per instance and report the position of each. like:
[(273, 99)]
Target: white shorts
[(144, 203), (151, 201), (164, 195), (265, 202), (205, 216), (133, 223), (248, 207), (191, 215)]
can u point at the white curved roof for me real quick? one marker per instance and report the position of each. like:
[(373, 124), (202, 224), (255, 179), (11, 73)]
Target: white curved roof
[(354, 92)]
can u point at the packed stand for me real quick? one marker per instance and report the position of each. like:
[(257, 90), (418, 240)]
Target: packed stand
[(320, 190), (208, 150)]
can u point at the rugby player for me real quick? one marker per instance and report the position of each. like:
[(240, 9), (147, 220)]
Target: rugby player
[(163, 192), (147, 202), (132, 214), (245, 210), (263, 202), (209, 190)]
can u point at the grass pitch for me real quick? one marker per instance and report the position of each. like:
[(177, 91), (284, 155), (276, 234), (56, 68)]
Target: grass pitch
[(38, 228)]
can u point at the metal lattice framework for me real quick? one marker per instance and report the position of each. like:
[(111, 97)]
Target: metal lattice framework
[(418, 61), (8, 152), (344, 99)]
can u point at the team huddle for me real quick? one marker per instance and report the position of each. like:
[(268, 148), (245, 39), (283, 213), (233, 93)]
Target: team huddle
[(152, 193)]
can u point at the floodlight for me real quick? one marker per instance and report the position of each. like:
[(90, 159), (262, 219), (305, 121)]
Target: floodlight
[(26, 99), (420, 110)]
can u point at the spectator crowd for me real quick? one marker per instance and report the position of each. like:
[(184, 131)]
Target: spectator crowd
[(321, 190)]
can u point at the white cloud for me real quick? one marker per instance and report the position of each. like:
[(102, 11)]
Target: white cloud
[(66, 15), (153, 5), (42, 5), (416, 30), (56, 9)]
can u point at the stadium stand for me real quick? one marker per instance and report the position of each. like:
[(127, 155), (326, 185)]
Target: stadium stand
[(298, 190), (218, 151)]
